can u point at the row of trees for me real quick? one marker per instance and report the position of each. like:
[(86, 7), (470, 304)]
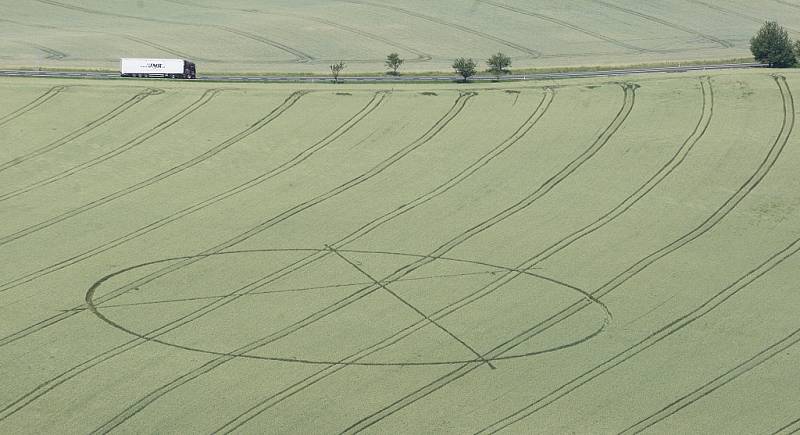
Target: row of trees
[(771, 45), (498, 65)]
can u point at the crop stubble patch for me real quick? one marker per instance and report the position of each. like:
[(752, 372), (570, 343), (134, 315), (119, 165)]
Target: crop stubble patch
[(97, 308)]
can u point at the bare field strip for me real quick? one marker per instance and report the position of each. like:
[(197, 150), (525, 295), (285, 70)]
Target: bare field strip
[(305, 37), (446, 258)]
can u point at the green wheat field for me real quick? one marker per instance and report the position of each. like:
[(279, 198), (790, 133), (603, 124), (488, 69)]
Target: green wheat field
[(607, 255)]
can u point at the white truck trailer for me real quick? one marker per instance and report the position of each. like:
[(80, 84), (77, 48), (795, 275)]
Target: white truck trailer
[(168, 68)]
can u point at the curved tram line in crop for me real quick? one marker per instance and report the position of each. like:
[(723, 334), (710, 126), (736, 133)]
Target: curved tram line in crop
[(627, 106), (90, 363), (113, 113), (700, 129), (421, 56), (775, 150), (38, 101), (457, 106), (299, 55), (376, 101), (529, 51), (127, 146), (274, 114)]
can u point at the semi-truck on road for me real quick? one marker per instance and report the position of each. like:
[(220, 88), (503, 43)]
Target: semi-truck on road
[(166, 68)]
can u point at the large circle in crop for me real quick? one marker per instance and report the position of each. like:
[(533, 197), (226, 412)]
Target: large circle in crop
[(99, 298)]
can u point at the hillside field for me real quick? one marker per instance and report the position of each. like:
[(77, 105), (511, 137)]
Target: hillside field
[(306, 36), (580, 256)]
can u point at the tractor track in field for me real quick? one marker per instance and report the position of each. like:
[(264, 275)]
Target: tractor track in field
[(38, 101), (533, 53), (718, 382), (747, 17), (727, 11), (299, 289), (127, 146), (382, 283), (710, 38), (238, 239), (567, 25), (707, 225), (54, 54), (160, 47), (421, 56), (787, 128), (603, 138), (607, 218), (360, 232), (789, 429), (372, 105), (52, 383), (786, 3), (50, 53), (299, 55), (113, 113), (258, 125)]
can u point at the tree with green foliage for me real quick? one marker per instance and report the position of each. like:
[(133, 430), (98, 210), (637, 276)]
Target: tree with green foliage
[(464, 67), (771, 45), (797, 50), (336, 68), (393, 61), (498, 64)]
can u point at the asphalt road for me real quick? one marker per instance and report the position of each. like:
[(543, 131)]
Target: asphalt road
[(402, 78)]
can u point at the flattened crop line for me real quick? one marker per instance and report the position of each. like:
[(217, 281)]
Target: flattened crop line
[(718, 382), (38, 101), (738, 14), (458, 105), (784, 2), (222, 359), (666, 331), (333, 368), (51, 53), (727, 11), (301, 57), (52, 383), (625, 205), (163, 125), (300, 386), (727, 207), (532, 52), (290, 290), (258, 125), (568, 25), (724, 44), (625, 110), (394, 294), (373, 104), (783, 137), (421, 57), (83, 130), (171, 51), (789, 429)]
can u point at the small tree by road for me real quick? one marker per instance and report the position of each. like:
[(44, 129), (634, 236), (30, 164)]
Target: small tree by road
[(336, 68), (393, 62), (464, 67), (771, 45), (498, 64)]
